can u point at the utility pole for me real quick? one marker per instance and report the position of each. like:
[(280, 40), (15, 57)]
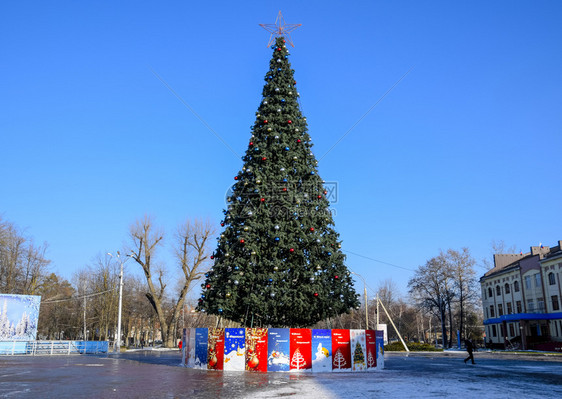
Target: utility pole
[(117, 346), (377, 297), (84, 293)]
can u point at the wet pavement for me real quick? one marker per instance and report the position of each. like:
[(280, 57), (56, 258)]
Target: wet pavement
[(156, 374)]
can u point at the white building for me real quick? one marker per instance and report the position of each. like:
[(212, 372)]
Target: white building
[(521, 299)]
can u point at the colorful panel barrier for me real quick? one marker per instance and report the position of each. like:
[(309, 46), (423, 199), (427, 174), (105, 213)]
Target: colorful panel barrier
[(283, 349)]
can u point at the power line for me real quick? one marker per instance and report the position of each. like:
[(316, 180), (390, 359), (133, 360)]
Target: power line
[(78, 297), (379, 261)]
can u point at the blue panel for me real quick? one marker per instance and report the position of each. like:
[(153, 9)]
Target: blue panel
[(321, 350), (278, 349), (201, 342)]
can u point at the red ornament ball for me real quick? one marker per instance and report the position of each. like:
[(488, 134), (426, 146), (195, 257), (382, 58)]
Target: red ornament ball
[(242, 241), (298, 140), (251, 143), (292, 250), (278, 48), (312, 229), (336, 277), (212, 257), (208, 286), (253, 362), (265, 121), (263, 158), (319, 196), (235, 177), (289, 121), (284, 188), (262, 200), (315, 294)]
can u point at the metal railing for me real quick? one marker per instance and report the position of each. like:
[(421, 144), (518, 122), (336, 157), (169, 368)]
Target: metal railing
[(52, 347)]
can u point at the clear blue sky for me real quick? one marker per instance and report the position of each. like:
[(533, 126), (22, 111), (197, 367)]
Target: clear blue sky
[(463, 151)]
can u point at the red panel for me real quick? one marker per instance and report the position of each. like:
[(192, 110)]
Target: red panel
[(371, 349), (341, 350), (301, 349), (256, 349), (215, 349)]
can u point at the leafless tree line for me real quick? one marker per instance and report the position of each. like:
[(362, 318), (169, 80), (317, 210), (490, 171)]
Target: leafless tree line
[(443, 294), (155, 302)]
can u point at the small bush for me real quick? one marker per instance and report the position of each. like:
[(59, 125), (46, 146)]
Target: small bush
[(412, 346)]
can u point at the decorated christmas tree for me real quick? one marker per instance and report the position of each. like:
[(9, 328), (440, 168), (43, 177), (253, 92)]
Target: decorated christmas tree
[(278, 262), (358, 356)]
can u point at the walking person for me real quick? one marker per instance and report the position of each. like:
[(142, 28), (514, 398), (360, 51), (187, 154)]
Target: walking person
[(469, 349)]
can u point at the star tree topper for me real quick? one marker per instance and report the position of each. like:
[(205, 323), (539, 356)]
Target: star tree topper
[(280, 28)]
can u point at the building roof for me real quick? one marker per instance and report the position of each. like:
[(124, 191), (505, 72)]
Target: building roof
[(506, 262), (555, 252)]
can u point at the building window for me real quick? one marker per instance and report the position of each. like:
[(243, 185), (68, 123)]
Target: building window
[(530, 305), (494, 331), (490, 294), (500, 309), (506, 288), (516, 286), (537, 280), (551, 278), (540, 305), (492, 311), (528, 282), (555, 304), (518, 306), (511, 330), (509, 309), (498, 290)]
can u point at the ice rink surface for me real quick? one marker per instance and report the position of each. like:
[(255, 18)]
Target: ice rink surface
[(156, 374)]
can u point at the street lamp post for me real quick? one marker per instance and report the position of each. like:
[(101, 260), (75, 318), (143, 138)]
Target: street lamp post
[(366, 301), (117, 346)]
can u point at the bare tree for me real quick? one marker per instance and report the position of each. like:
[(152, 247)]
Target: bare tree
[(60, 315), (463, 275), (190, 249), (23, 265), (430, 291), (103, 278)]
